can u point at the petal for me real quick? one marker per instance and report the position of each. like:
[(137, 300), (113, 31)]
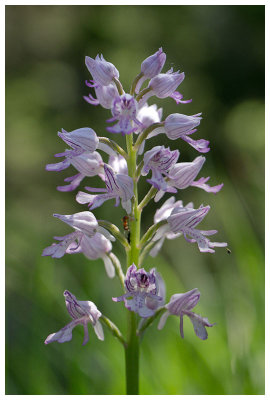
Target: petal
[(84, 198), (84, 221), (155, 250), (58, 166), (163, 320), (75, 182), (137, 304), (210, 189), (109, 266), (98, 200), (106, 233), (99, 330), (127, 206), (65, 334), (199, 323)]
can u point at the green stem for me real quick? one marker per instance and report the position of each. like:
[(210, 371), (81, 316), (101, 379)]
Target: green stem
[(115, 232), (145, 251), (113, 145), (152, 192), (113, 328), (134, 83), (143, 92), (145, 133), (150, 232), (118, 269), (132, 348), (150, 320), (119, 86)]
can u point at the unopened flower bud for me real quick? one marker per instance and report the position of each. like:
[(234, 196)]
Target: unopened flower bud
[(163, 85), (102, 71), (177, 125), (80, 139)]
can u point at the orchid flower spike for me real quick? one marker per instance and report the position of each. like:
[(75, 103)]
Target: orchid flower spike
[(102, 71), (82, 313), (118, 186), (181, 304), (141, 285)]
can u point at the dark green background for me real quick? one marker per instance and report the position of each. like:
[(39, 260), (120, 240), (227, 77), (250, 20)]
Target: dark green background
[(221, 50)]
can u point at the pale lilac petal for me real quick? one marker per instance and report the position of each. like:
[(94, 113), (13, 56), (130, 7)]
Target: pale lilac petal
[(99, 330), (199, 323), (201, 183), (84, 221), (121, 298), (178, 98), (165, 210), (124, 111), (107, 149), (118, 164), (98, 200), (57, 250), (82, 138), (86, 334), (126, 206), (153, 64), (182, 175), (106, 233), (137, 304), (183, 217), (91, 100), (163, 320), (109, 267), (155, 250), (163, 85), (125, 184), (183, 302), (178, 125), (84, 198), (102, 71), (200, 145), (58, 166), (96, 246), (75, 182), (65, 334)]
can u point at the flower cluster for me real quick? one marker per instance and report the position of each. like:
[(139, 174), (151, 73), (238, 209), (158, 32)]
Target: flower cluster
[(133, 117)]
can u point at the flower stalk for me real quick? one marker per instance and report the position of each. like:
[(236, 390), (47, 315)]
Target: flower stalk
[(132, 348), (113, 328)]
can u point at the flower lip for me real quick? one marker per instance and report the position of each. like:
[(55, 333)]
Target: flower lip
[(124, 110), (141, 286)]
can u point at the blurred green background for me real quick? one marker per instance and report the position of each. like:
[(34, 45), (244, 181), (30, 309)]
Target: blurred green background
[(221, 50)]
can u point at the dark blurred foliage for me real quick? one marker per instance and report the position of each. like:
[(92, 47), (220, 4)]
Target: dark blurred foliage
[(221, 50)]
